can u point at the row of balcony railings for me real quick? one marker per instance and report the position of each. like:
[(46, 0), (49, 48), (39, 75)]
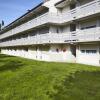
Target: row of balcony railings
[(86, 35), (79, 12)]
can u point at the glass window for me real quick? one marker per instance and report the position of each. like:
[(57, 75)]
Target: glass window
[(89, 51), (83, 51), (87, 27)]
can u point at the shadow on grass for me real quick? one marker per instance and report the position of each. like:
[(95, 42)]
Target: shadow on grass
[(4, 56), (80, 86), (11, 65)]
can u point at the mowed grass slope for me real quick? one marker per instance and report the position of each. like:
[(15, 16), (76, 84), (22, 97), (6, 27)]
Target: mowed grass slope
[(23, 79)]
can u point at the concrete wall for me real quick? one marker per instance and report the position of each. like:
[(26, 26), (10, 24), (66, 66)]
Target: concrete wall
[(86, 54), (66, 9), (61, 53)]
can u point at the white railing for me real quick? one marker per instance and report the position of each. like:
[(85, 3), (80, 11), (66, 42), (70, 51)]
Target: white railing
[(38, 39), (89, 9), (43, 19), (82, 11), (79, 12), (92, 34), (86, 35)]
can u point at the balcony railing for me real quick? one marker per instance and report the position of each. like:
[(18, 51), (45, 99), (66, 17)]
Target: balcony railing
[(92, 34), (86, 35), (89, 9), (82, 11), (79, 12), (43, 19)]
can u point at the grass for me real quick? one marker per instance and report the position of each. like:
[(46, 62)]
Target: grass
[(23, 79)]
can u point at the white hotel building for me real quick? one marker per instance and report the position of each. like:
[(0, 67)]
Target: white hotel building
[(56, 30)]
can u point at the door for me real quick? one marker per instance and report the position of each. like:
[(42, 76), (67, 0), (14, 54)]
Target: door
[(73, 50)]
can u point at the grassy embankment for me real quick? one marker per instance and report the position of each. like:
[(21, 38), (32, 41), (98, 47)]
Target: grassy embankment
[(22, 79)]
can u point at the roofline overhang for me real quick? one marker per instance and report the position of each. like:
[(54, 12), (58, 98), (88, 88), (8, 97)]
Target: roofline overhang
[(63, 3)]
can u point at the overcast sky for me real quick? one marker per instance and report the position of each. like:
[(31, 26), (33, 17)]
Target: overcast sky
[(12, 9)]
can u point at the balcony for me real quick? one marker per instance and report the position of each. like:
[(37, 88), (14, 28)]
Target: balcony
[(38, 39), (89, 9), (85, 10), (43, 19), (86, 35), (77, 13)]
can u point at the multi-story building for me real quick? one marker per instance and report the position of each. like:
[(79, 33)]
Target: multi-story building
[(56, 30)]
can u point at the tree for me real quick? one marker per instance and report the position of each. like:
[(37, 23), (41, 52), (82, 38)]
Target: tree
[(2, 23), (0, 26)]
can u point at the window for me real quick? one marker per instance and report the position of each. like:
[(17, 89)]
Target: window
[(57, 30), (89, 51), (93, 26), (72, 6), (83, 51), (25, 49), (72, 27)]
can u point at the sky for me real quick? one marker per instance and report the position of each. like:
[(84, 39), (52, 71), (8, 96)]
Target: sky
[(10, 10)]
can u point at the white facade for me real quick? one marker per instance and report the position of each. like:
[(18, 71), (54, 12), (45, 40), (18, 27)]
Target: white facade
[(88, 54), (62, 31)]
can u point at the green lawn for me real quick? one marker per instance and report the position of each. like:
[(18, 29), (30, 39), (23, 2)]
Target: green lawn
[(22, 79)]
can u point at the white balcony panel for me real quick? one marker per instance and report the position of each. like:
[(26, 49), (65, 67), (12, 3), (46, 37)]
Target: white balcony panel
[(88, 9), (43, 19), (82, 11), (68, 16), (86, 35)]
